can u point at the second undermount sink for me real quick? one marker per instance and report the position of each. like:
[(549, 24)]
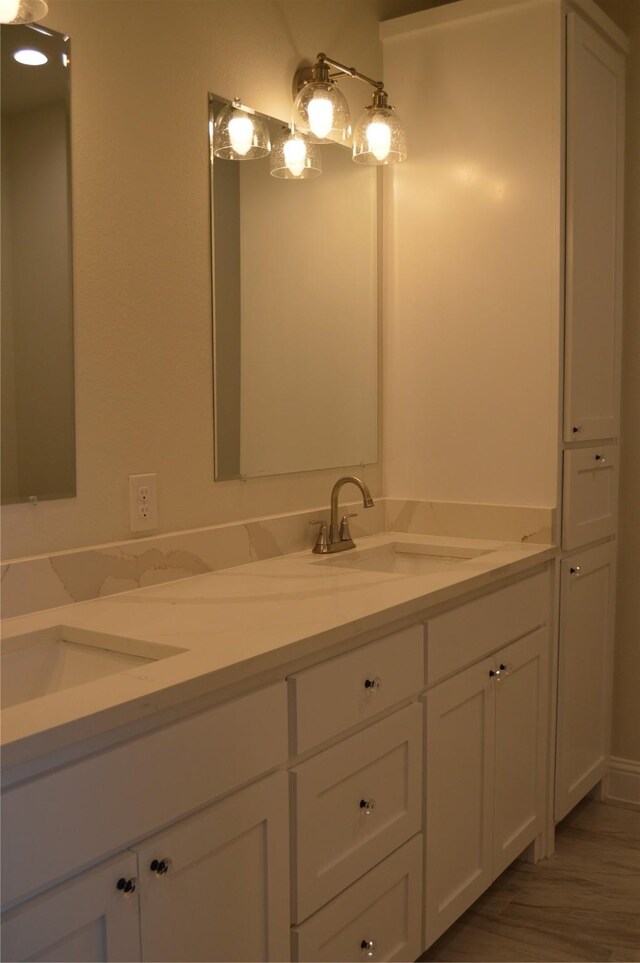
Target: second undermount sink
[(405, 558), (59, 658)]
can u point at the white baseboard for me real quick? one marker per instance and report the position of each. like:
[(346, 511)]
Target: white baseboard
[(623, 782)]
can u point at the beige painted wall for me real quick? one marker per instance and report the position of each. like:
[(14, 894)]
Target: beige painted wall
[(141, 74)]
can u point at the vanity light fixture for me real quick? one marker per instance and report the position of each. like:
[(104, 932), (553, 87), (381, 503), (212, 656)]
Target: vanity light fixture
[(321, 109), (294, 156), (240, 134), (22, 11)]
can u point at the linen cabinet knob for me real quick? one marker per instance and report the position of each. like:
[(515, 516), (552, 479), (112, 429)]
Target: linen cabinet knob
[(126, 886), (373, 684), (160, 866), (369, 947), (601, 459), (574, 570), (576, 429), (367, 806)]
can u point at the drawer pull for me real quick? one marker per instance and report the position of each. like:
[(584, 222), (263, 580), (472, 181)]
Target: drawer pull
[(576, 429), (127, 886), (369, 948), (160, 866), (574, 570), (373, 684), (601, 459), (367, 806), (505, 669)]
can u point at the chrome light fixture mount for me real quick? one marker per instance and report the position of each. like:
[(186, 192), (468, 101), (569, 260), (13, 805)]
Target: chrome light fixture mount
[(321, 111), (240, 134), (22, 11), (294, 156)]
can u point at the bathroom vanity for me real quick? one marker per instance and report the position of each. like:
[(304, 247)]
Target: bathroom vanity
[(338, 756)]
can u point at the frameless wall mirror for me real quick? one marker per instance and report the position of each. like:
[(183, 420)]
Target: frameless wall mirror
[(38, 444), (295, 304)]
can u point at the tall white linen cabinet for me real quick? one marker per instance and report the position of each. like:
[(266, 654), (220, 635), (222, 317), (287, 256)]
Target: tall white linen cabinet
[(502, 353)]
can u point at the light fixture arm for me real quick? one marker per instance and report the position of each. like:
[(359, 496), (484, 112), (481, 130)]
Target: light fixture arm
[(351, 71), (319, 73)]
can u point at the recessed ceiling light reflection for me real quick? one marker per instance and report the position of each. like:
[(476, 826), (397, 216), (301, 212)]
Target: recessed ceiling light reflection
[(31, 58)]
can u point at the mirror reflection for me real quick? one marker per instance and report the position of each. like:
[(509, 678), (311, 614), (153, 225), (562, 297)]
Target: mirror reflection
[(38, 444), (295, 303)]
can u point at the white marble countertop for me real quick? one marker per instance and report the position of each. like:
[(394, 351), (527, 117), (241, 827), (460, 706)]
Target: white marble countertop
[(234, 624)]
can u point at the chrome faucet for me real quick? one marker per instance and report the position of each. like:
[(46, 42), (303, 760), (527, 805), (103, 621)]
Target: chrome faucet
[(338, 539)]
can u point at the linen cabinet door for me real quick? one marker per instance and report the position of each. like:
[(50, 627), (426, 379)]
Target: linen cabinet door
[(460, 755), (595, 125), (521, 746), (215, 886), (585, 668), (89, 919)]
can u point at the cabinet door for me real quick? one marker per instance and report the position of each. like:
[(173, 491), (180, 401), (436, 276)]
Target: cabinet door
[(590, 495), (219, 887), (521, 746), (595, 119), (587, 589), (85, 919), (460, 756)]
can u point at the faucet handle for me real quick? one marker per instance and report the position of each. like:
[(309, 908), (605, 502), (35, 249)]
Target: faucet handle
[(345, 534), (322, 542)]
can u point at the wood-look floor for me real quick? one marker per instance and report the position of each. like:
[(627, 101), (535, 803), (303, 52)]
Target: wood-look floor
[(581, 904)]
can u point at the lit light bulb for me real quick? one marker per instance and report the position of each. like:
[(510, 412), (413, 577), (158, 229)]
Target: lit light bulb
[(8, 10), (31, 58), (241, 134), (379, 139), (295, 154), (320, 113)]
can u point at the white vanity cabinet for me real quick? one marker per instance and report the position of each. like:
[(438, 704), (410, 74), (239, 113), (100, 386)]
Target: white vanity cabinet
[(93, 917), (215, 886), (486, 747), (233, 844)]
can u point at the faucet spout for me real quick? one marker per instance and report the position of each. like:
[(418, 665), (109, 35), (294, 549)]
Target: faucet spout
[(334, 528)]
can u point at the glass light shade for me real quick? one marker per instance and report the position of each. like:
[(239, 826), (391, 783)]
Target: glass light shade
[(240, 135), (22, 11), (379, 137), (321, 111), (294, 157)]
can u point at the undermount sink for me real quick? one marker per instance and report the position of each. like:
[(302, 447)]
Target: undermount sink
[(44, 662), (406, 558)]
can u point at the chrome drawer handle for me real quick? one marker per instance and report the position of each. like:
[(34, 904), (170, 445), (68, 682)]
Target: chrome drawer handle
[(369, 948), (367, 806), (373, 684)]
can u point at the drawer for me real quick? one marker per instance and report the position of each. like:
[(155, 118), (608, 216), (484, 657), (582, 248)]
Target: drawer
[(590, 495), (384, 907), (354, 804), (470, 632), (331, 697), (134, 789)]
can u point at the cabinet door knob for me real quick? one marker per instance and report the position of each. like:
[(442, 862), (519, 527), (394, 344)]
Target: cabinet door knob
[(127, 886), (576, 429), (495, 674), (601, 459), (160, 866), (574, 570), (369, 948), (367, 806), (505, 669), (373, 684)]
